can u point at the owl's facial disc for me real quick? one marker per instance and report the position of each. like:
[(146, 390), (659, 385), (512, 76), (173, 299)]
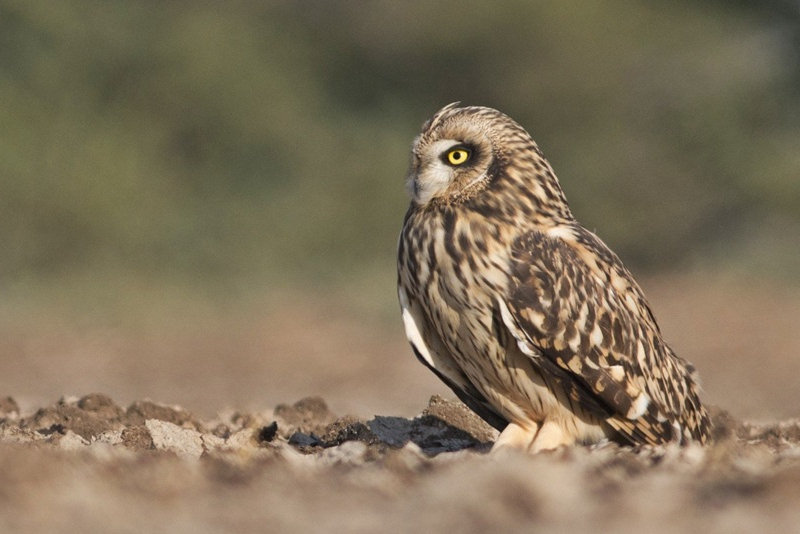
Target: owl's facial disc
[(442, 168)]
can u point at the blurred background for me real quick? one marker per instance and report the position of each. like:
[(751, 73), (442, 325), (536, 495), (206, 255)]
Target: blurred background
[(200, 201)]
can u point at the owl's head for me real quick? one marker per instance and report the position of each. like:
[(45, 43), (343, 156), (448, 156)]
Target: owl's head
[(463, 152)]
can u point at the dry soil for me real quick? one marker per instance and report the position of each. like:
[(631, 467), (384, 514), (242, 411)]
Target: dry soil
[(116, 463)]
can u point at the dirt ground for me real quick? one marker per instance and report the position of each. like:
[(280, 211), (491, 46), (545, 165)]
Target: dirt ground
[(317, 417), (89, 465)]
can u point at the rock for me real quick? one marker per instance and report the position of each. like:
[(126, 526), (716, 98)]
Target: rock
[(267, 433), (110, 437), (68, 415), (71, 441), (309, 416), (101, 406), (137, 438), (456, 414), (166, 436), (348, 428), (138, 412), (304, 441), (430, 433), (9, 409), (212, 442)]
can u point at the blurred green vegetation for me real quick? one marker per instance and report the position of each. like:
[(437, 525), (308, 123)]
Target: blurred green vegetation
[(241, 145)]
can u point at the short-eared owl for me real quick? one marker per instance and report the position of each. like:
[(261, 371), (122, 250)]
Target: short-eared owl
[(524, 313)]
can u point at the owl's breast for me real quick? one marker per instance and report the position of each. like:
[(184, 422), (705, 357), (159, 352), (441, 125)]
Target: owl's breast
[(458, 269), (458, 272)]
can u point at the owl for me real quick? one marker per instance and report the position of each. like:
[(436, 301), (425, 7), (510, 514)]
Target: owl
[(526, 315)]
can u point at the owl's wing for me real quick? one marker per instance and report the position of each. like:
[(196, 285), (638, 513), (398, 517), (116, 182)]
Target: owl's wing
[(575, 310), (430, 350)]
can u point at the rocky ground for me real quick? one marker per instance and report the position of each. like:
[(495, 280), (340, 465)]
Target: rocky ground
[(87, 464), (114, 463)]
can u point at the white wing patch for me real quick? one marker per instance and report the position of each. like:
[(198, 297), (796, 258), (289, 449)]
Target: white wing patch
[(413, 334), (596, 337), (617, 372), (639, 406), (508, 320), (561, 232), (519, 335)]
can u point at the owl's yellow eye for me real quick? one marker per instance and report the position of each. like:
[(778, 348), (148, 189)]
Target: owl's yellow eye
[(457, 156)]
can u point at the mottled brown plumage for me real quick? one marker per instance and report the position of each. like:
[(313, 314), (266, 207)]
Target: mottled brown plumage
[(526, 315)]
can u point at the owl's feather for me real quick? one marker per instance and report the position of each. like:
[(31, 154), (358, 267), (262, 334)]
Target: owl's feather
[(586, 322), (524, 313), (430, 351)]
